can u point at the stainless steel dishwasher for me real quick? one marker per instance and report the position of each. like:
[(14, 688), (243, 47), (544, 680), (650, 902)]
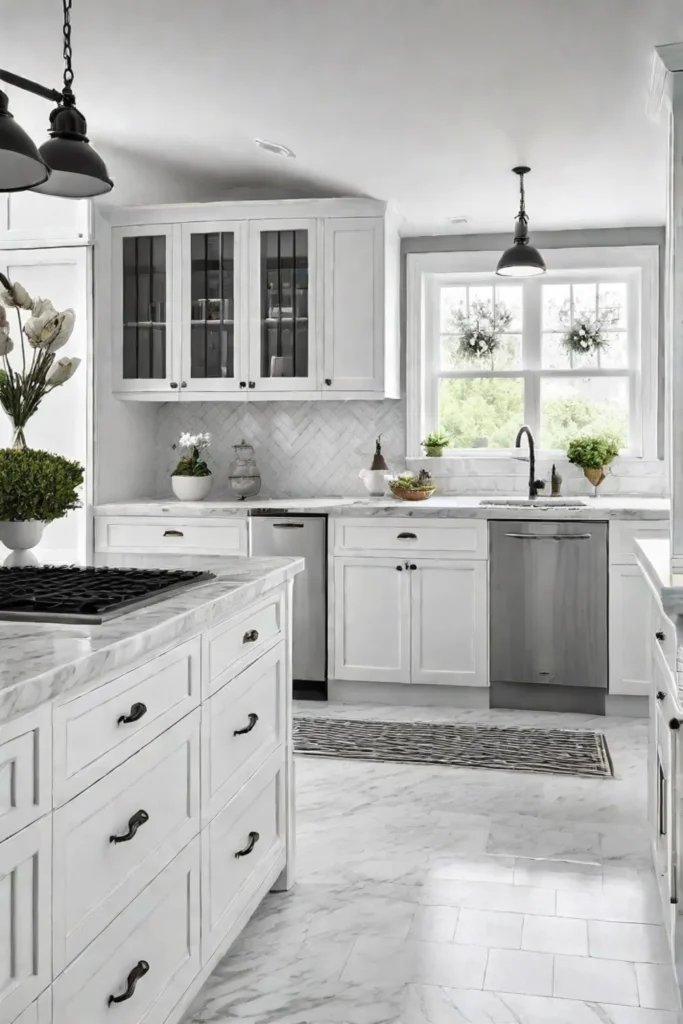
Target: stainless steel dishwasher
[(304, 536), (548, 615)]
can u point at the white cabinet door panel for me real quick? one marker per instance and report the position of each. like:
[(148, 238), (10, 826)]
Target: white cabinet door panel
[(25, 769), (448, 606), (372, 620), (630, 631)]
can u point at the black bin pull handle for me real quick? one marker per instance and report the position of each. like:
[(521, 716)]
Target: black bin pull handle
[(253, 840), (139, 971), (136, 712), (134, 823), (407, 536), (173, 533), (250, 637), (253, 719)]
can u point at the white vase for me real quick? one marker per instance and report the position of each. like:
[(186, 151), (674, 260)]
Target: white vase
[(375, 480), (21, 534), (191, 488)]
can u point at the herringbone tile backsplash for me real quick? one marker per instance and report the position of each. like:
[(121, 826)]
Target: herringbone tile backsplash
[(303, 449)]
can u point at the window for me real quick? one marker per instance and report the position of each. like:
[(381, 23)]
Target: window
[(531, 377)]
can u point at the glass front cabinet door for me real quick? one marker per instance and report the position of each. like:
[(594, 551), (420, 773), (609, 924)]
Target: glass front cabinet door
[(284, 272), (214, 350), (144, 354)]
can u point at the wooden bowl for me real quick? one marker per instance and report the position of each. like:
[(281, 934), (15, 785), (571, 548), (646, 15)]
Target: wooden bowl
[(410, 495)]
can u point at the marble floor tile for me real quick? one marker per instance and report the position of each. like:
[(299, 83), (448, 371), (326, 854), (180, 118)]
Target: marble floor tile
[(434, 924), (656, 987), (530, 839), (380, 960), (593, 907), (517, 899), (489, 928), (512, 970), (594, 980), (555, 935), (479, 869), (610, 940), (558, 874)]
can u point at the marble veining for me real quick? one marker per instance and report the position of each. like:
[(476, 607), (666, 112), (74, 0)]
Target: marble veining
[(437, 507), (40, 661)]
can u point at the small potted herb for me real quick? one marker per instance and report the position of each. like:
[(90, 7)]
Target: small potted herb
[(593, 452), (191, 479), (36, 487), (412, 488), (435, 443)]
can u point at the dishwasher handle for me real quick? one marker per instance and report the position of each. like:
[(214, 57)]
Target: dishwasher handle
[(288, 526), (542, 536)]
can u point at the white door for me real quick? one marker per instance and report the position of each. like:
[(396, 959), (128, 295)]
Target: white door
[(372, 619), (629, 631), (214, 297), (61, 423), (284, 294), (145, 310), (25, 918), (448, 605), (353, 304)]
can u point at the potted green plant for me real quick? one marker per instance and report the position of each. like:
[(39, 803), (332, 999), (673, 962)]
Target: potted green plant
[(593, 452), (408, 487), (36, 487), (435, 443), (191, 479)]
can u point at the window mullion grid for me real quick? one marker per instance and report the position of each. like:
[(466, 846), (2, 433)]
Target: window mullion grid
[(531, 353)]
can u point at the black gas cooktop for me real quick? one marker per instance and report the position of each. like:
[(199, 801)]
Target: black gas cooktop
[(53, 593)]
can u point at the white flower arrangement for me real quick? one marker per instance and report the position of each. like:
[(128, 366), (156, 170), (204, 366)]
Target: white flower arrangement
[(193, 462), (480, 331), (46, 331), (587, 332)]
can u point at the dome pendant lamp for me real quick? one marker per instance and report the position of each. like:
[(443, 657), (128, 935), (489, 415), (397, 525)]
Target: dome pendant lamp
[(66, 165), (521, 259)]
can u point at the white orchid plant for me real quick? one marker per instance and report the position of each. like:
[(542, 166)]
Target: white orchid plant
[(40, 337), (193, 461)]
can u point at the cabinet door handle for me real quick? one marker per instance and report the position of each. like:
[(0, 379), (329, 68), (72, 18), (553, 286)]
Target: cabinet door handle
[(407, 536), (136, 712), (173, 533), (183, 384), (253, 719), (252, 384), (250, 637), (134, 823), (173, 384), (399, 568), (139, 971), (328, 381), (661, 695), (660, 635), (253, 840), (413, 566), (243, 383)]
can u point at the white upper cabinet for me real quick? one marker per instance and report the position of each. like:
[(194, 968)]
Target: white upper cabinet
[(29, 220), (265, 301)]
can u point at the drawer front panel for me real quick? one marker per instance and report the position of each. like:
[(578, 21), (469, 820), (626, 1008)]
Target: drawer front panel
[(101, 729), (95, 878), (39, 1012), (160, 928), (25, 919), (466, 537), (241, 725), (25, 762), (251, 825), (162, 535), (243, 637), (665, 638), (622, 537)]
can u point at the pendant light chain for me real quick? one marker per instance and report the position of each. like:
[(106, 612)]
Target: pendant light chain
[(68, 72), (522, 211)]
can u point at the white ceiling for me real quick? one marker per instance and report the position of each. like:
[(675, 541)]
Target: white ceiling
[(428, 103)]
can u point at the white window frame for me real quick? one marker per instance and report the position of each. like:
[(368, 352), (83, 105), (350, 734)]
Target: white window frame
[(426, 272)]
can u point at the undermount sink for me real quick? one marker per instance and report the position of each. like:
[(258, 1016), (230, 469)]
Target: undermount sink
[(543, 503)]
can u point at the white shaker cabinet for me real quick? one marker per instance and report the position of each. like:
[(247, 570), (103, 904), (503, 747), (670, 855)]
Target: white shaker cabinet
[(448, 622), (29, 220)]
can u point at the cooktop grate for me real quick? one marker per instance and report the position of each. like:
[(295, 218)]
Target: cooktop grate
[(55, 593)]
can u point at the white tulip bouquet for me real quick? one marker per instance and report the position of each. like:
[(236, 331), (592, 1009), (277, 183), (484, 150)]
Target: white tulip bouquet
[(42, 335)]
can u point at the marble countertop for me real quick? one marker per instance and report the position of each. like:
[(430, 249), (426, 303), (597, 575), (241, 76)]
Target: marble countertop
[(439, 506), (653, 557), (41, 661)]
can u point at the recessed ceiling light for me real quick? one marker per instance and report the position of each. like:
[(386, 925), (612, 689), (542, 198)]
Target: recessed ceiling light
[(275, 147), (459, 219)]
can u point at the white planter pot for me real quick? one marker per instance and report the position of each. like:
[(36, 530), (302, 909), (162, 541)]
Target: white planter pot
[(375, 480), (21, 535), (191, 488)]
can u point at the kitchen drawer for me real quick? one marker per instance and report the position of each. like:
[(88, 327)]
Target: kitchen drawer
[(93, 733), (25, 904), (242, 725), (622, 536), (161, 929), (96, 878), (242, 639), (25, 762), (240, 846), (404, 536), (162, 535), (665, 637), (39, 1012)]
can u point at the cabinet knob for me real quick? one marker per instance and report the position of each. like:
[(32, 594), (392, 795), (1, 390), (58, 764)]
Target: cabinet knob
[(173, 384), (184, 384), (399, 568), (243, 383), (660, 635), (660, 695), (252, 384), (328, 381), (413, 566)]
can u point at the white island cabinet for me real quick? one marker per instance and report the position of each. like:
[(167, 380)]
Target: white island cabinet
[(146, 797)]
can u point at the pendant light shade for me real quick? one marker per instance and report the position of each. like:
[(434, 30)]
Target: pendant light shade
[(521, 259), (21, 166), (78, 172)]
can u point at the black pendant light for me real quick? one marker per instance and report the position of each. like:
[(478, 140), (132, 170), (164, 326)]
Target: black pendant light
[(70, 166), (521, 259)]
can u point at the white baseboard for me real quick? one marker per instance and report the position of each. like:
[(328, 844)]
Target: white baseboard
[(346, 691), (626, 706)]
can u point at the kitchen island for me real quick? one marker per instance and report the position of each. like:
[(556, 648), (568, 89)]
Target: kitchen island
[(147, 795)]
